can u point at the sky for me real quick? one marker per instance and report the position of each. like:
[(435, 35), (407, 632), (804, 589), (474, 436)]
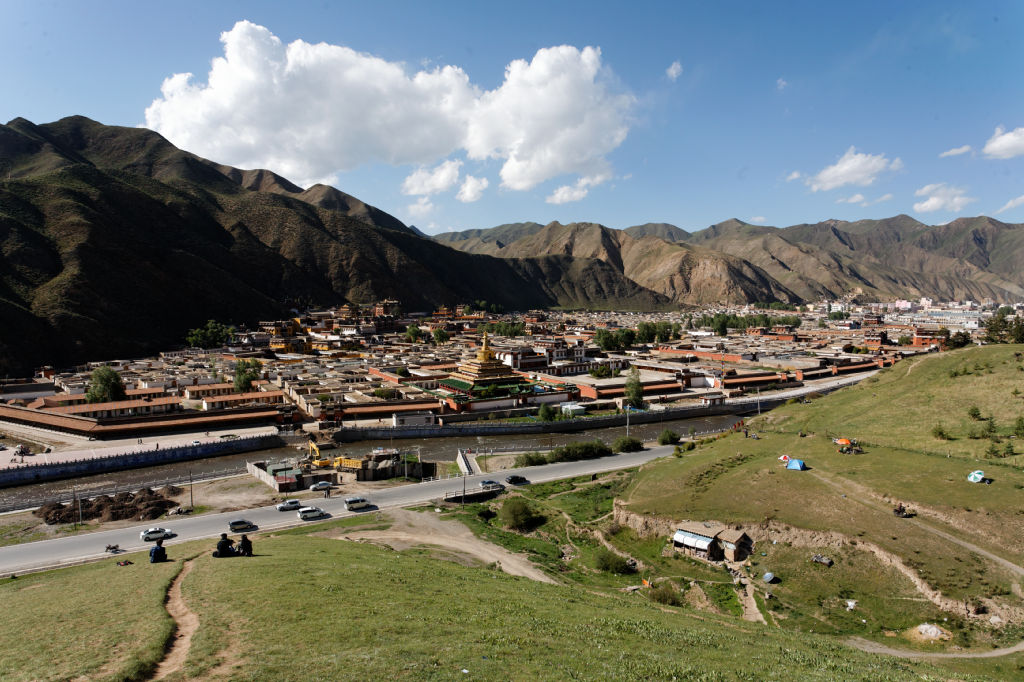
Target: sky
[(459, 115)]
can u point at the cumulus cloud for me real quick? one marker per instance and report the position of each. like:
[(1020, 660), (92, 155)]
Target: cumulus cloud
[(956, 151), (852, 168), (941, 197), (781, 84), (421, 208), (795, 175), (431, 181), (310, 110), (855, 199), (758, 219), (674, 70), (1005, 145), (472, 189), (1012, 203), (568, 193)]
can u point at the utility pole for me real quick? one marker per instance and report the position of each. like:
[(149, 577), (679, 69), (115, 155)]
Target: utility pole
[(463, 492), (191, 495), (759, 401), (74, 499), (627, 421)]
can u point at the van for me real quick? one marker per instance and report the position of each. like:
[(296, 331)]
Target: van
[(353, 503), (310, 513)]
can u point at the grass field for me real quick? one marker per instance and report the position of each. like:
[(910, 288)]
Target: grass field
[(311, 608), (738, 480)]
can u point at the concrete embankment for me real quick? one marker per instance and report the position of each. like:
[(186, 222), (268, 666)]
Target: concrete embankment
[(36, 473), (348, 435)]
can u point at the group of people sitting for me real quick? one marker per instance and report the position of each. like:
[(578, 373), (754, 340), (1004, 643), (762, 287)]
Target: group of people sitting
[(226, 548)]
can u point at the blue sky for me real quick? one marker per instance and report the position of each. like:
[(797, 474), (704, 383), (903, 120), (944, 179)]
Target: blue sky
[(461, 115)]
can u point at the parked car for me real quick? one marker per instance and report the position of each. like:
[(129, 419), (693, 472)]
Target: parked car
[(488, 483), (310, 513), (155, 534), (195, 442), (288, 505), (320, 485), (515, 479), (240, 524), (354, 503)]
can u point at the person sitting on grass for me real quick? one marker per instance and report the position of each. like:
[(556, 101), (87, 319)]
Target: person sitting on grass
[(245, 546), (157, 553), (224, 548)]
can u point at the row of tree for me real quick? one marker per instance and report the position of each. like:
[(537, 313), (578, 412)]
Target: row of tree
[(722, 322), (999, 329)]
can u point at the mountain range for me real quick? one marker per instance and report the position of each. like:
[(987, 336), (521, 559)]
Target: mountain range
[(114, 242)]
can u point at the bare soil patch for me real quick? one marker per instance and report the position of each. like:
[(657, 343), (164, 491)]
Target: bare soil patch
[(414, 529)]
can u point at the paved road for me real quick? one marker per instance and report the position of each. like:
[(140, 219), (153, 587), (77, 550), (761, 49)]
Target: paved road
[(78, 548)]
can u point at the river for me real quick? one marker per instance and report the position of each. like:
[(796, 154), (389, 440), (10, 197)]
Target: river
[(430, 449)]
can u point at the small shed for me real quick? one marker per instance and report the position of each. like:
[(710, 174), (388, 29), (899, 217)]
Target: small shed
[(736, 545)]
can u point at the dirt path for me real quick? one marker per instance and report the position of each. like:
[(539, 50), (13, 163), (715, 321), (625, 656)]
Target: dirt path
[(876, 648), (186, 622), (750, 610), (415, 529)]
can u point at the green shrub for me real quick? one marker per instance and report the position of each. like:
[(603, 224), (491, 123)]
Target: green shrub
[(974, 413), (610, 562), (690, 446), (530, 459), (516, 513), (668, 437), (546, 413), (939, 431), (627, 444), (573, 452), (666, 593)]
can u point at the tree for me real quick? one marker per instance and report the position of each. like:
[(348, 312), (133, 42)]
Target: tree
[(105, 386), (668, 437), (995, 329), (663, 333), (440, 336), (546, 413), (1018, 427), (676, 329), (517, 514), (413, 333), (601, 372), (646, 332), (246, 372), (625, 337), (721, 327), (213, 335), (904, 340), (974, 413), (634, 389), (959, 340), (606, 340)]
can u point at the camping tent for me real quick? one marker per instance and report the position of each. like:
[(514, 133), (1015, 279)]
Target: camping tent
[(976, 476), (843, 441), (796, 464), (784, 459)]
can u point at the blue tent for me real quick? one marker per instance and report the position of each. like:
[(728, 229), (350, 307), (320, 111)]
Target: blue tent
[(797, 464)]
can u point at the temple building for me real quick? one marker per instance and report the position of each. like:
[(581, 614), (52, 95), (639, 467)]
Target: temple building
[(482, 372)]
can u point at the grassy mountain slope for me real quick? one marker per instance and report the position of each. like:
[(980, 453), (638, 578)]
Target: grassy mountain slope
[(845, 501), (114, 243)]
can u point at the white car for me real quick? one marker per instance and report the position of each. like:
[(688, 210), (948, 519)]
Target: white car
[(195, 442), (311, 513), (155, 534), (288, 505), (321, 485)]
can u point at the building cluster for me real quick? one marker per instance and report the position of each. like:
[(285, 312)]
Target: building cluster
[(374, 364)]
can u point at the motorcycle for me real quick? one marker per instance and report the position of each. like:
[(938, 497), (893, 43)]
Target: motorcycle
[(113, 549)]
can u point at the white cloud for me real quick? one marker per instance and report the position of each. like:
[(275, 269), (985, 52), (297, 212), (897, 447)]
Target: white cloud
[(855, 199), (1012, 203), (941, 197), (425, 181), (1005, 145), (310, 110), (674, 70), (884, 197), (421, 208), (853, 168), (956, 151), (758, 219), (781, 84), (569, 193), (795, 175), (472, 189)]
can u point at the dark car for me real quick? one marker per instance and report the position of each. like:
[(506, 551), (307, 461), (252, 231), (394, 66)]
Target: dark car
[(515, 480)]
